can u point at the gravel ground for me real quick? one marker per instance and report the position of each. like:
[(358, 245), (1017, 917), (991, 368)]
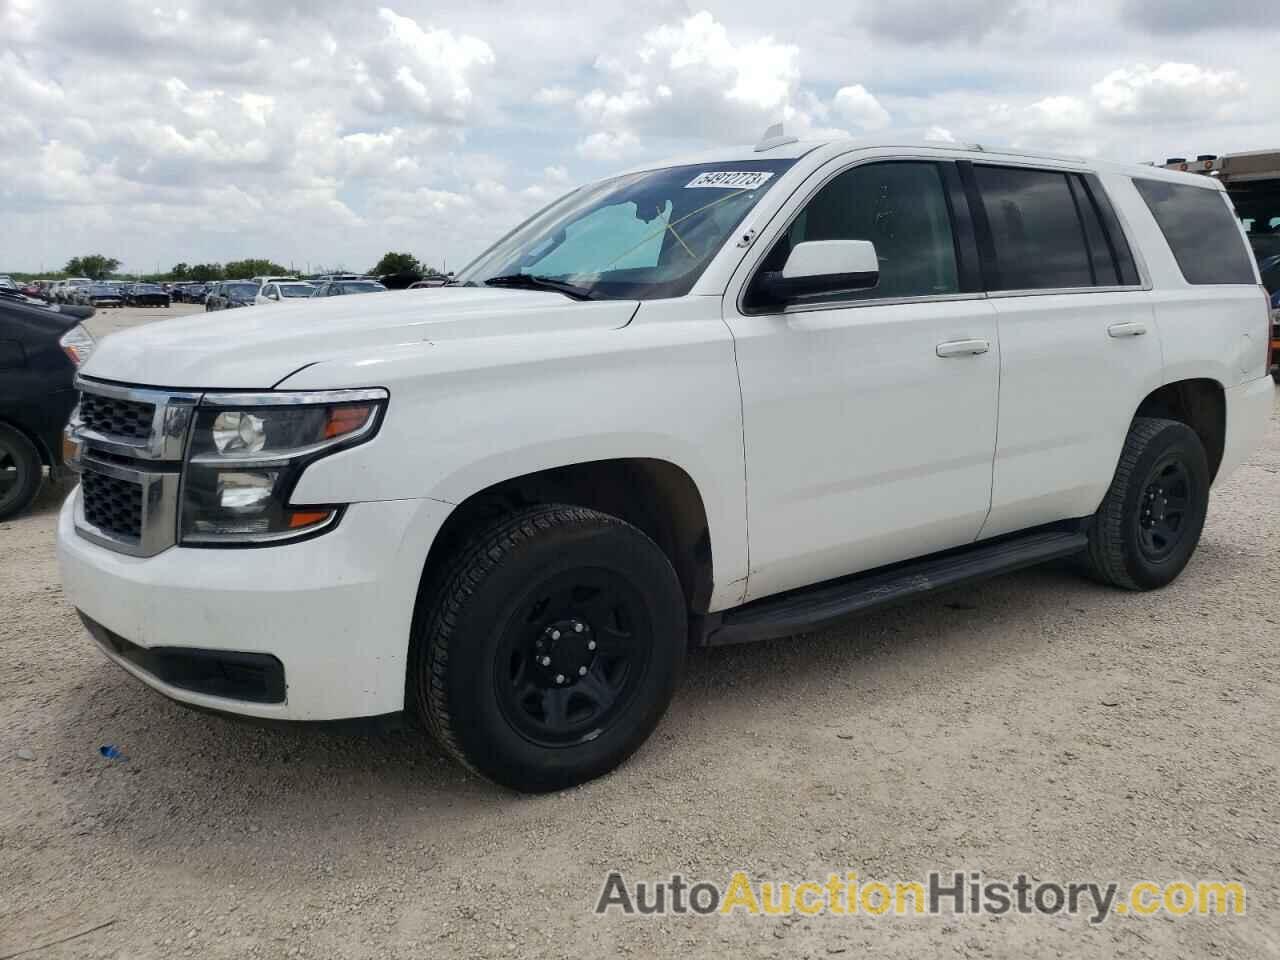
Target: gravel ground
[(1036, 723)]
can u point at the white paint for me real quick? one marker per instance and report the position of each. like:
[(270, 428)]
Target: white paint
[(825, 258), (823, 441)]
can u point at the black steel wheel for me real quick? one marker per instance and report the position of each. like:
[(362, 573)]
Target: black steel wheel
[(1165, 507), (1150, 521), (20, 472), (573, 656), (547, 650)]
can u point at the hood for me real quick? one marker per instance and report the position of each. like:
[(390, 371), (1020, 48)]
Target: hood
[(254, 348)]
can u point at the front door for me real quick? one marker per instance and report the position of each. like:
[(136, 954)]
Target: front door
[(869, 417)]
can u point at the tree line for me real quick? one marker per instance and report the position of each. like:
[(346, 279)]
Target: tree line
[(97, 266)]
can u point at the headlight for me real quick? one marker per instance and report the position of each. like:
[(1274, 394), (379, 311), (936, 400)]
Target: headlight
[(77, 343), (247, 452)]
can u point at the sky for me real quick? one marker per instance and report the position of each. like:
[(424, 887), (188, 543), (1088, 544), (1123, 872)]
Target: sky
[(323, 133)]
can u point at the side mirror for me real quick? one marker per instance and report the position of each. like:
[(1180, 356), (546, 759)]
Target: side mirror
[(819, 267)]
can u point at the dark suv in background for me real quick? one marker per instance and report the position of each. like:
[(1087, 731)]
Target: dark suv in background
[(40, 349)]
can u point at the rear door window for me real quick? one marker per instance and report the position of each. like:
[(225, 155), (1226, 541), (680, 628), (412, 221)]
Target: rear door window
[(1036, 229), (1201, 231)]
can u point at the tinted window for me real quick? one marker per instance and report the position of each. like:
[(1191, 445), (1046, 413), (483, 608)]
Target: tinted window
[(1201, 231), (902, 209), (1113, 233), (1035, 228)]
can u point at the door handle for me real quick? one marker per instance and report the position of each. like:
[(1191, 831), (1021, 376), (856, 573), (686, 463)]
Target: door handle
[(1132, 328), (963, 348)]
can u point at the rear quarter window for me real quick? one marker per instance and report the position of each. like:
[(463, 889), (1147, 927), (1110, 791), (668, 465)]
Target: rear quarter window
[(1201, 232)]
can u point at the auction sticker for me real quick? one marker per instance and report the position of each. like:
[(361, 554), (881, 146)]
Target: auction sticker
[(730, 179)]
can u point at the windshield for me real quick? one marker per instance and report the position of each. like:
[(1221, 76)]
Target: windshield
[(362, 286), (295, 289), (240, 289), (643, 235)]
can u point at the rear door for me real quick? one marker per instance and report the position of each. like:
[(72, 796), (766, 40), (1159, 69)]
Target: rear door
[(1079, 347)]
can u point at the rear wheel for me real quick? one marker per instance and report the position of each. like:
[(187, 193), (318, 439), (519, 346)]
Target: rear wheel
[(1150, 521), (20, 472), (551, 649)]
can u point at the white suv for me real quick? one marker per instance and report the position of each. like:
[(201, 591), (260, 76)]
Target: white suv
[(692, 404)]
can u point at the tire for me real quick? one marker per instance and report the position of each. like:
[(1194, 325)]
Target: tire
[(502, 668), (1150, 521), (21, 472)]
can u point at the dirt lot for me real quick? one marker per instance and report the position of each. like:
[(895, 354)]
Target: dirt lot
[(1037, 724)]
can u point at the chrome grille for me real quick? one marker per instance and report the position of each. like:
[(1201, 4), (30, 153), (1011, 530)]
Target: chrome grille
[(117, 417), (113, 506), (132, 441)]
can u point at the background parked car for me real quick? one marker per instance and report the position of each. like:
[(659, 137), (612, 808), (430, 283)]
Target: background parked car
[(230, 294), (99, 295), (338, 288), (147, 295), (189, 292), (284, 290), (65, 290), (40, 348)]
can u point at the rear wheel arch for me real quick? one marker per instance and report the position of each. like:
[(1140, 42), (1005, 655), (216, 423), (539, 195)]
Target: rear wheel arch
[(1201, 404)]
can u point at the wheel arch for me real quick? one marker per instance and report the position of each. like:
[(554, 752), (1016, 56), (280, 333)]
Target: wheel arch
[(1201, 404), (657, 496), (42, 449)]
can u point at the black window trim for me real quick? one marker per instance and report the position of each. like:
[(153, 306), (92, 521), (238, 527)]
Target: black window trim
[(963, 231), (1109, 221)]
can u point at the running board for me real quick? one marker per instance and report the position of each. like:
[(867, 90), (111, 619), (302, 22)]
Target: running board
[(812, 607)]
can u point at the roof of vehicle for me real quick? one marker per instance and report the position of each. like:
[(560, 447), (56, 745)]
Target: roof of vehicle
[(788, 149)]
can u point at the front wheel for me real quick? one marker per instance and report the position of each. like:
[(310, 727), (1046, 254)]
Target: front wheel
[(552, 648), (1150, 521), (20, 472)]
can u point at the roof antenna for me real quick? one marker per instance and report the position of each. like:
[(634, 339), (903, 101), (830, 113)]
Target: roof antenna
[(774, 137)]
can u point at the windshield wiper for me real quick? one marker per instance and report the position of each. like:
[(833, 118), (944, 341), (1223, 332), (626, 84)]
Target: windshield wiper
[(529, 281)]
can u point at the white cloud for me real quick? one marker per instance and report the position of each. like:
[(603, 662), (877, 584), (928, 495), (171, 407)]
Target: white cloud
[(256, 107), (554, 96), (430, 72), (1059, 114), (607, 144), (1171, 89), (202, 130), (856, 105), (760, 73), (696, 80)]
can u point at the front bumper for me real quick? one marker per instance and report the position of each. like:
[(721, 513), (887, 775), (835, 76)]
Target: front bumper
[(335, 610)]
